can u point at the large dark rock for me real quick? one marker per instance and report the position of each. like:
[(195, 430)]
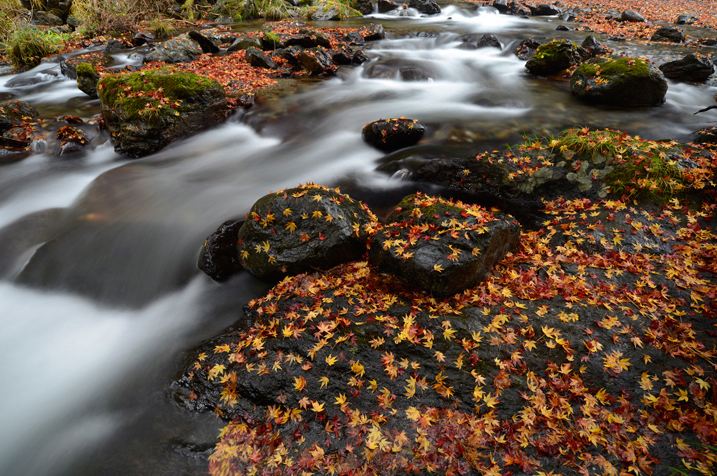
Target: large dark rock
[(518, 9), (631, 16), (302, 229), (687, 19), (205, 43), (526, 49), (624, 81), (308, 39), (316, 61), (385, 6), (244, 42), (70, 140), (693, 67), (259, 59), (501, 6), (373, 32), (181, 49), (15, 114), (545, 9), (669, 34), (141, 124), (474, 41), (219, 258), (393, 134), (443, 247), (426, 7), (592, 45), (87, 79), (556, 56)]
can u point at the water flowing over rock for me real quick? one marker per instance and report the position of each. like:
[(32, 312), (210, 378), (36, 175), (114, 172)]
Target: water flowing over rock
[(669, 34), (393, 134), (556, 56), (443, 247), (693, 67), (162, 107), (625, 81), (301, 229), (218, 258)]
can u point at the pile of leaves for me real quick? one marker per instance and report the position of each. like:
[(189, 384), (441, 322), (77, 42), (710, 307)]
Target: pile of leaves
[(589, 350)]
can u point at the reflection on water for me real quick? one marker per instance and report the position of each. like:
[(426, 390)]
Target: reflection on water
[(105, 291)]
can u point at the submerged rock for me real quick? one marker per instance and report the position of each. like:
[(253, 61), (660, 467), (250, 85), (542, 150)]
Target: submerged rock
[(442, 246), (625, 81), (393, 134), (301, 229), (693, 67), (142, 123)]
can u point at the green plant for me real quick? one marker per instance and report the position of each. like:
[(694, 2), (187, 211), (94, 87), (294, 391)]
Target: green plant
[(702, 458), (161, 28), (99, 16), (276, 10), (587, 143), (26, 44)]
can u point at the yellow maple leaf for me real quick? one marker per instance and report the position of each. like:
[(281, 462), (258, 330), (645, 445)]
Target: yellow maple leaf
[(331, 360), (317, 407), (324, 381), (291, 226), (437, 268), (299, 383)]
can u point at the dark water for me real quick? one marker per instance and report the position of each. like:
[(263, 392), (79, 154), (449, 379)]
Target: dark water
[(99, 290)]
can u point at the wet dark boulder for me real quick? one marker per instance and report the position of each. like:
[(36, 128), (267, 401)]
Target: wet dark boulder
[(308, 39), (181, 49), (302, 229), (475, 41), (518, 9), (16, 114), (259, 59), (204, 43), (218, 258), (389, 135), (706, 136), (442, 246), (556, 56), (624, 81), (669, 34), (87, 79), (385, 6), (426, 7), (545, 10), (594, 47), (693, 67), (501, 6), (70, 140), (373, 32), (631, 16), (244, 42), (69, 67), (526, 49), (317, 61), (180, 104), (686, 19)]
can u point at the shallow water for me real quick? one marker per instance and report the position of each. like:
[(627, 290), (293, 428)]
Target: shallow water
[(99, 290)]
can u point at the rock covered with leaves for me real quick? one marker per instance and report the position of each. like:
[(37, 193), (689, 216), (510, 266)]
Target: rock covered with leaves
[(389, 135), (693, 67), (589, 350), (621, 81), (442, 246), (296, 230), (146, 110), (17, 124)]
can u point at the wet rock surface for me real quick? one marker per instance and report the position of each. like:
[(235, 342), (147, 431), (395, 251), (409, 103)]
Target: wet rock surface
[(393, 134), (555, 56), (218, 258), (301, 229), (443, 247), (693, 67)]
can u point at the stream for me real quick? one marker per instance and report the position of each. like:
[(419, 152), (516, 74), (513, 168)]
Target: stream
[(100, 294)]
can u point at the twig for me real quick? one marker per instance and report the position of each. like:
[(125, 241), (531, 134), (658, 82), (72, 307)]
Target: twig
[(706, 109)]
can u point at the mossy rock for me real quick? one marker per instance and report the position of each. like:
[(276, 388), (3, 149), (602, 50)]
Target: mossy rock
[(624, 81), (301, 229), (556, 56), (146, 110), (87, 79), (331, 11)]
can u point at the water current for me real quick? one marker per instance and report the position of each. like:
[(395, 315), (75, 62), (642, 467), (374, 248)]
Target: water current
[(99, 290)]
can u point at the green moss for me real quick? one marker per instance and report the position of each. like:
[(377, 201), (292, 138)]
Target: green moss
[(615, 69), (85, 69), (549, 50), (151, 93)]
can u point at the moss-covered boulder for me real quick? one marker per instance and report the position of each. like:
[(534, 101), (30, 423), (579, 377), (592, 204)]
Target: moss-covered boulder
[(442, 246), (625, 81), (393, 134), (146, 110), (301, 229), (87, 79), (331, 11), (555, 56)]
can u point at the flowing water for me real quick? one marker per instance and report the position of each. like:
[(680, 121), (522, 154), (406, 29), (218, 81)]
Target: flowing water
[(99, 290)]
